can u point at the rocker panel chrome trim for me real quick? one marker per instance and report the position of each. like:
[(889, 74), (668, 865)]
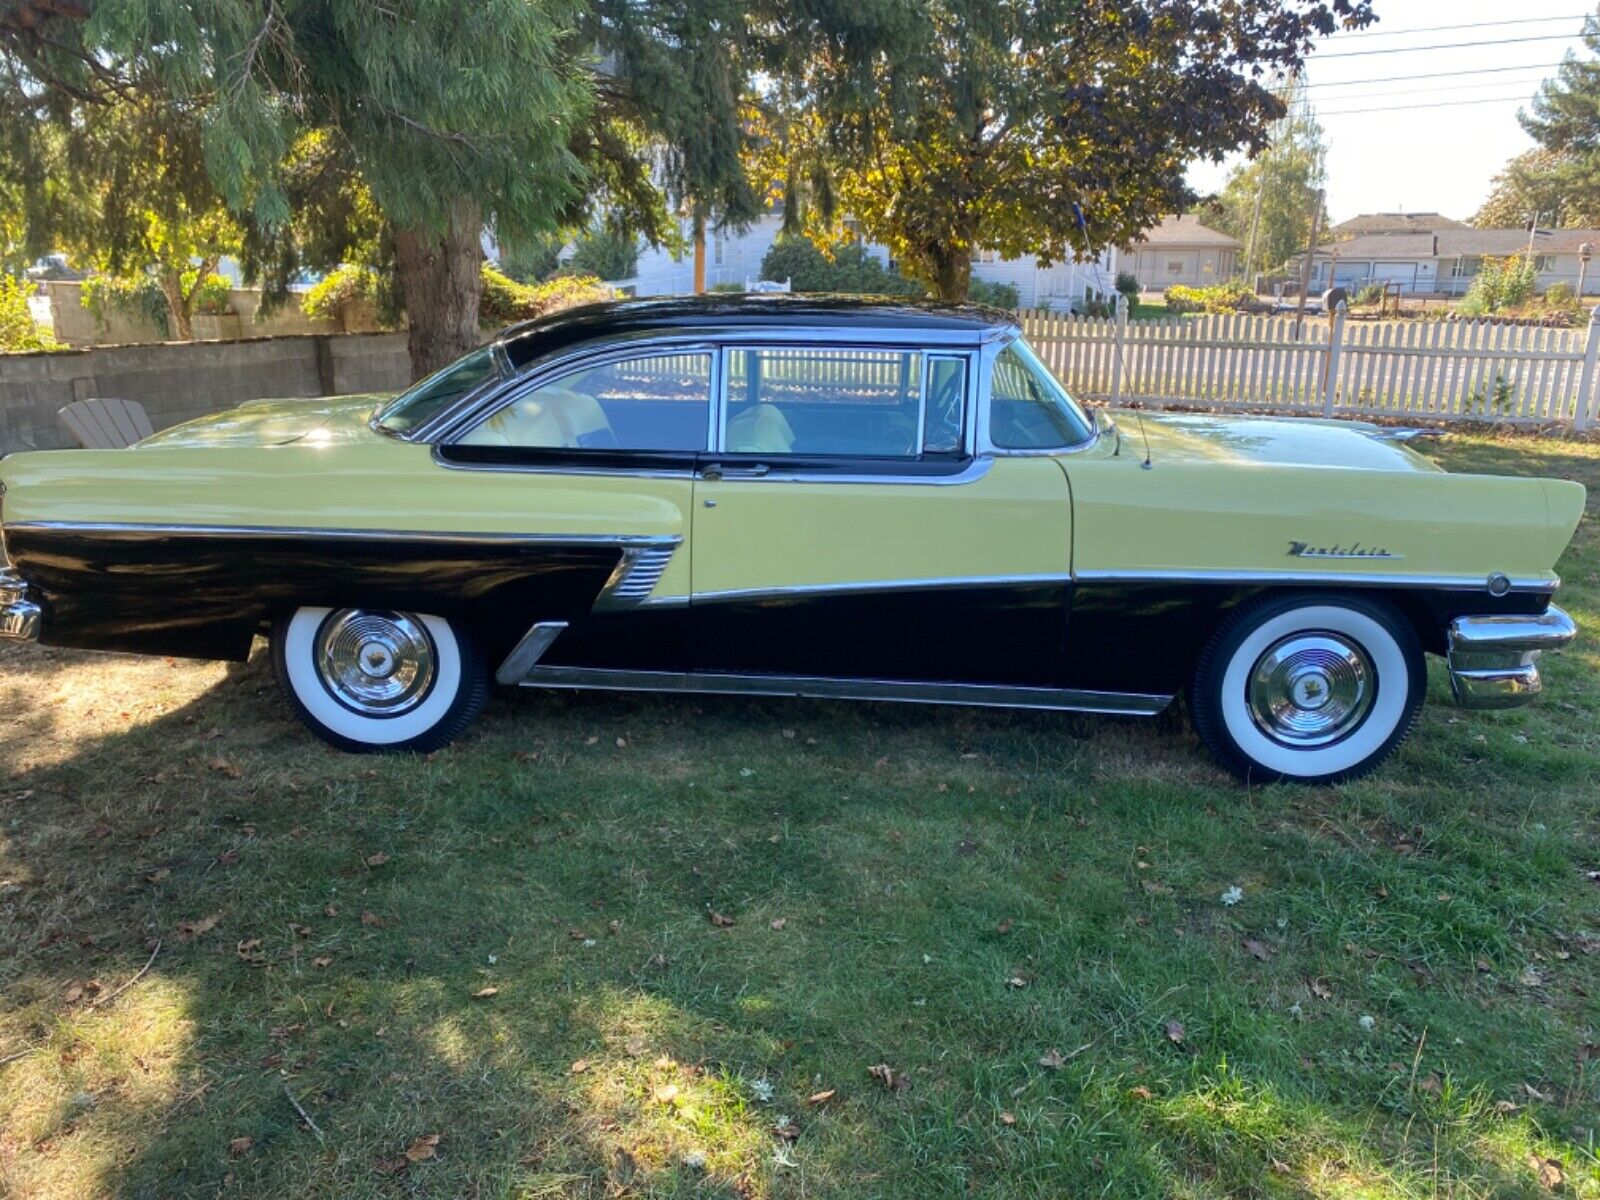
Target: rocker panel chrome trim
[(875, 585), (1346, 579), (527, 652), (642, 540), (979, 695)]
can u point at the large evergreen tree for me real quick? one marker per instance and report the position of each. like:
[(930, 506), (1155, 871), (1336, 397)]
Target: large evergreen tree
[(1564, 180), (1053, 128), (1267, 202)]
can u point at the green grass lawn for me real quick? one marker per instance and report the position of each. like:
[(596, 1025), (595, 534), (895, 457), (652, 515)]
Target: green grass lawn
[(615, 945)]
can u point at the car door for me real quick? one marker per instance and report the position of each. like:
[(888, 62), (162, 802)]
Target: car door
[(845, 526)]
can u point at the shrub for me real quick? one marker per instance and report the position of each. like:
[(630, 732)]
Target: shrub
[(504, 300), (995, 295), (327, 298), (851, 270), (1372, 293), (1219, 298), (604, 255), (18, 329), (1560, 295), (726, 287), (139, 297), (533, 260), (213, 296), (1128, 285), (1501, 283)]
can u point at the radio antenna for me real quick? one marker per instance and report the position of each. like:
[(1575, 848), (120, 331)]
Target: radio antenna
[(1146, 464), (1122, 363)]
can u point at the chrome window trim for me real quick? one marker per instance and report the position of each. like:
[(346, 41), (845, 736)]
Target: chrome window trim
[(864, 586), (866, 336), (1133, 704), (684, 473), (985, 443), (968, 362), (504, 373), (510, 390), (642, 540), (1351, 579), (973, 470)]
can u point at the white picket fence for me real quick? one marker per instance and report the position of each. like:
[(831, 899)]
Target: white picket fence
[(1430, 370)]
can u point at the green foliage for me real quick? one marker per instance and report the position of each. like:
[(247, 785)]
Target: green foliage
[(1052, 129), (18, 329), (604, 254), (213, 294), (504, 301), (851, 270), (1563, 182), (139, 297), (726, 287), (1128, 285), (995, 295), (533, 258), (1231, 297), (1546, 182), (1285, 177), (326, 299), (1500, 284), (1372, 293)]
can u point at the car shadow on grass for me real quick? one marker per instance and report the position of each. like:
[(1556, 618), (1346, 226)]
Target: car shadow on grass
[(616, 944)]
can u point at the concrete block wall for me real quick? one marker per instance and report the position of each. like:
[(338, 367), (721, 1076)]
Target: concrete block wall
[(178, 381)]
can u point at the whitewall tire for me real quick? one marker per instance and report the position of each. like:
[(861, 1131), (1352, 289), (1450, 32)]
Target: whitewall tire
[(1310, 688), (376, 679)]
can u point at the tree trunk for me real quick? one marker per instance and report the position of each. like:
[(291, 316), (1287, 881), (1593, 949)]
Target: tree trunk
[(438, 274), (951, 272), (177, 306)]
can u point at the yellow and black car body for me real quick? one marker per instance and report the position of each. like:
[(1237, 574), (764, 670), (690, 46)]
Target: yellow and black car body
[(787, 496)]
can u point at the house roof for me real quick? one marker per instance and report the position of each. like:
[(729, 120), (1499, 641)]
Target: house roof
[(1455, 243), (1419, 222), (1185, 230)]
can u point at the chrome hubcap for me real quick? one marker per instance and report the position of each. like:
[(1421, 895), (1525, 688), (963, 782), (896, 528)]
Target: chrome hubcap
[(1311, 689), (377, 663)]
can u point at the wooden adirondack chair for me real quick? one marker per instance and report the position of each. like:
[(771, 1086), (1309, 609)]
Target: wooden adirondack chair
[(106, 424)]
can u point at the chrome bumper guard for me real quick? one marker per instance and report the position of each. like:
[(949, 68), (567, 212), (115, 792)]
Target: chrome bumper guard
[(19, 616), (1494, 661)]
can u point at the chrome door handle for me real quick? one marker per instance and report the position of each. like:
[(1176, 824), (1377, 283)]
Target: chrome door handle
[(716, 471)]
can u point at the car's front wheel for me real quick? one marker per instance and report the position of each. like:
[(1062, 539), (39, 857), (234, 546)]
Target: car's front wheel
[(1311, 688), (368, 679)]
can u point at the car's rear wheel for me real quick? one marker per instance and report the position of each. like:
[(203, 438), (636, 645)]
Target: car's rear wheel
[(368, 679), (1314, 689)]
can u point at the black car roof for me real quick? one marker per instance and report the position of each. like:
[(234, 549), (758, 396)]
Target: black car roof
[(689, 315)]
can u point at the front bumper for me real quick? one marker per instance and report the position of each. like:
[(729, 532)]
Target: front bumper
[(1494, 661), (19, 616)]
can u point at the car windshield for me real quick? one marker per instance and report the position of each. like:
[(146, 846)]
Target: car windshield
[(423, 401), (1028, 408)]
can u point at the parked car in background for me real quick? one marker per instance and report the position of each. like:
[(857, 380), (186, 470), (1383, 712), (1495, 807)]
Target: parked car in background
[(798, 497)]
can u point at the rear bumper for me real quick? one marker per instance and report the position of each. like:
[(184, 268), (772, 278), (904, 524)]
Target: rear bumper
[(1494, 661), (19, 616)]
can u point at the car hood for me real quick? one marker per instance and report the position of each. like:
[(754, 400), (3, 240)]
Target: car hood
[(277, 423), (1298, 441)]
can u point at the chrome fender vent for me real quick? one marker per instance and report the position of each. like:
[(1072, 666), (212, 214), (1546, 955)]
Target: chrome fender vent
[(636, 576)]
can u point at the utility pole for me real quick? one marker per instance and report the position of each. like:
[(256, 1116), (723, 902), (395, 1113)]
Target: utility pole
[(1305, 267)]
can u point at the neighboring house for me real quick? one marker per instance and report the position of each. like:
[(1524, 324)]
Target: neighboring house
[(1180, 250), (1065, 285), (1443, 262), (1420, 222)]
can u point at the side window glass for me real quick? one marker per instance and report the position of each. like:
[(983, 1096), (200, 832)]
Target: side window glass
[(655, 403), (946, 402), (1028, 409), (865, 403)]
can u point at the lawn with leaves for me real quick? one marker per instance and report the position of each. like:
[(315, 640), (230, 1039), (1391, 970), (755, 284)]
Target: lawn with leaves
[(622, 945)]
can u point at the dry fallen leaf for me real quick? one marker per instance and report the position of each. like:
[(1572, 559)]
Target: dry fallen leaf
[(1535, 1094), (223, 767), (1321, 990), (159, 874), (720, 921), (635, 1046), (193, 929), (666, 1093), (579, 1067), (377, 860), (1004, 927), (1052, 1060), (1007, 1118), (1175, 1032), (822, 1097), (1139, 1093), (1548, 1171), (227, 858), (895, 1081), (240, 1146), (330, 910), (299, 930), (74, 993), (1256, 949), (786, 1131), (372, 920), (322, 960), (1017, 980), (484, 993), (779, 922), (392, 1165), (423, 1148)]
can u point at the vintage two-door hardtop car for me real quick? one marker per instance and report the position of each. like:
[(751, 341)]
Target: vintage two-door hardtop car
[(798, 497)]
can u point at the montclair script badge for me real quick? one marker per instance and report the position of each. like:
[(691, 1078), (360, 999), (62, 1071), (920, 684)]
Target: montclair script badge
[(1339, 550)]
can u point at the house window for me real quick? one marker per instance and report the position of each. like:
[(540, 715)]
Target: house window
[(717, 249), (1543, 264), (1465, 267), (984, 256), (1174, 266)]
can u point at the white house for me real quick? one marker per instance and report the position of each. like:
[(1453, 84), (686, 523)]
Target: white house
[(1180, 250), (734, 257), (1444, 261)]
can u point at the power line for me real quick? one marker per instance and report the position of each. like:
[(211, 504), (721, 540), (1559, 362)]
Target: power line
[(1363, 34), (1346, 112), (1430, 90), (1548, 37), (1434, 75)]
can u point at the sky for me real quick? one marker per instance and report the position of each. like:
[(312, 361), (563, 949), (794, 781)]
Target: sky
[(1387, 154)]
